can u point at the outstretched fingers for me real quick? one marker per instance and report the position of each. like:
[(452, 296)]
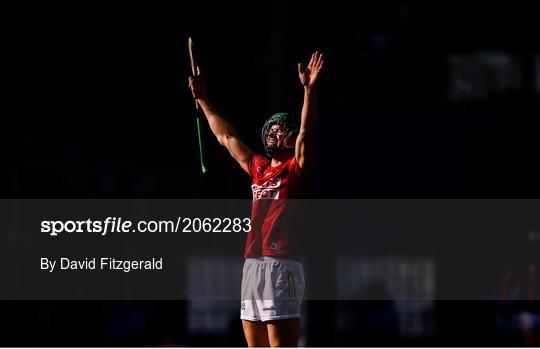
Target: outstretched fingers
[(316, 61), (320, 62), (312, 60)]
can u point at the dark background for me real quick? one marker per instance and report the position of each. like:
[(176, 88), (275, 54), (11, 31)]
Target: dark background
[(418, 100)]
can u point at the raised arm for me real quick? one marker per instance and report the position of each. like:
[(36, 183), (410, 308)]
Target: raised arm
[(221, 128), (305, 142)]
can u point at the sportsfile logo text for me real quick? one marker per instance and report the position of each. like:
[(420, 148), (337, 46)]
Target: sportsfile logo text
[(120, 225), (110, 224)]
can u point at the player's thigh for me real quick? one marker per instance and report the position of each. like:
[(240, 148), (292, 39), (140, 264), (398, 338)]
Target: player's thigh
[(256, 333), (283, 333)]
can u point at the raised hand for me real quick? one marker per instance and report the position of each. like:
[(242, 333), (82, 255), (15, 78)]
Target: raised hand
[(197, 85), (309, 76)]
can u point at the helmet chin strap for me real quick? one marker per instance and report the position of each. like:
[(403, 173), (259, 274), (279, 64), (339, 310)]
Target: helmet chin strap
[(275, 150), (271, 151)]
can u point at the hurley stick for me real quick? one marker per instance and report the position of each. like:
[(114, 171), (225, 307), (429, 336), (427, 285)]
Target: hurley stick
[(197, 118)]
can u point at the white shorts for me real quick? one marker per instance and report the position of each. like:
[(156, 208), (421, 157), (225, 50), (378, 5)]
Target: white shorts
[(272, 289)]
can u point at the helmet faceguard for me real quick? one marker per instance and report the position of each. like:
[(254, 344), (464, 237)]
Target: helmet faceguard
[(290, 129)]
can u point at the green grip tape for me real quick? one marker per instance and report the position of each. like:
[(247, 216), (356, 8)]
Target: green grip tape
[(201, 152)]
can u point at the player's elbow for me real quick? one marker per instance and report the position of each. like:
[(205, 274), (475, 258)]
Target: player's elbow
[(306, 163), (226, 140), (306, 133), (306, 157), (222, 140)]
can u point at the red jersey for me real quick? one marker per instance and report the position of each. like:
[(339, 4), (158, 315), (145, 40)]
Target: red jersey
[(275, 221)]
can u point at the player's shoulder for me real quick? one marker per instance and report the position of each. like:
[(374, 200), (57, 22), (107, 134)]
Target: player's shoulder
[(257, 163), (259, 159)]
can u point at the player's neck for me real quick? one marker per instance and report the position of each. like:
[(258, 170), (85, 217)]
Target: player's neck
[(275, 162), (280, 158)]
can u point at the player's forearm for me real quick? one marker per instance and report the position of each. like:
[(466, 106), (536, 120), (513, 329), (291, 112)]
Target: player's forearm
[(309, 112), (220, 127)]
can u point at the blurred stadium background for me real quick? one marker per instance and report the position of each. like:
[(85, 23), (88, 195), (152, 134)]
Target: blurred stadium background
[(437, 99)]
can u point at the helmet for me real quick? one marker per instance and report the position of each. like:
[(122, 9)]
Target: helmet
[(291, 129)]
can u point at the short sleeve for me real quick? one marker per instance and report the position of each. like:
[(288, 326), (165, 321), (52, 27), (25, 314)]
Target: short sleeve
[(256, 163)]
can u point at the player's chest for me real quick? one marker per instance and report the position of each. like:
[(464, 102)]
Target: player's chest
[(268, 183), (270, 175)]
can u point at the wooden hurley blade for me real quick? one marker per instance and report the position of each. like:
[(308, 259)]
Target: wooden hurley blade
[(192, 59)]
